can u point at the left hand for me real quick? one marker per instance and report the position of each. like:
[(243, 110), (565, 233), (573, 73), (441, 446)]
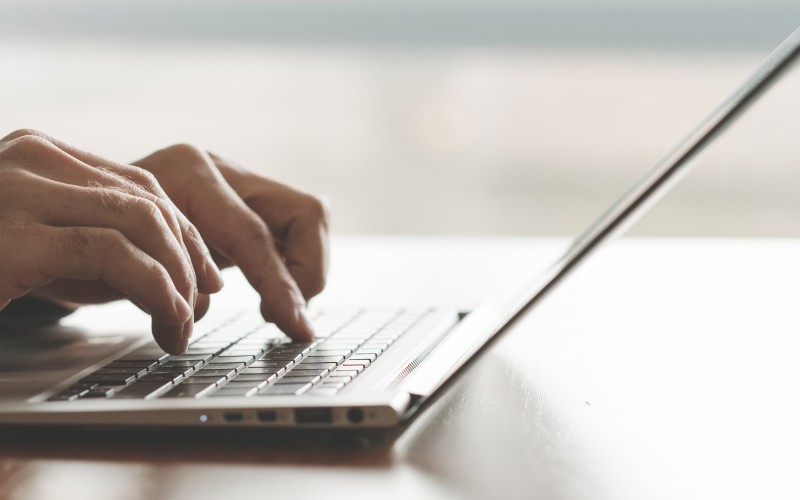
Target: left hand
[(275, 234)]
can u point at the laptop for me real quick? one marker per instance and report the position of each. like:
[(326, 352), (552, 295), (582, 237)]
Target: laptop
[(368, 368)]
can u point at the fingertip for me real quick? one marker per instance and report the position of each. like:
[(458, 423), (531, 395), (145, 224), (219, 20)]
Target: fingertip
[(183, 312), (307, 327), (201, 306), (170, 337), (295, 322), (187, 330), (213, 282)]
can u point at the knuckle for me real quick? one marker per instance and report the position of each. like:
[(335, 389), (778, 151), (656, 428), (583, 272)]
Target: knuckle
[(168, 213), (187, 151), (249, 234), (12, 179), (148, 211), (316, 208), (23, 132), (76, 241), (105, 242), (147, 180), (191, 158), (113, 200), (315, 284), (141, 179), (256, 232), (27, 146), (194, 236), (278, 289)]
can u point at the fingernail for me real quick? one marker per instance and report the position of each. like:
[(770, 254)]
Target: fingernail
[(188, 329), (182, 310), (303, 315), (183, 344), (213, 274)]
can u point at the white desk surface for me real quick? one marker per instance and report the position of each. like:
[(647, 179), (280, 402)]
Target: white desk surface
[(661, 369)]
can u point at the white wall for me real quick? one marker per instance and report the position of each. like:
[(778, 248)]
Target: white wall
[(429, 135)]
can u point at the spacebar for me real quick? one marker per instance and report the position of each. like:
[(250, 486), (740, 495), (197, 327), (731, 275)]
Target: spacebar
[(143, 390)]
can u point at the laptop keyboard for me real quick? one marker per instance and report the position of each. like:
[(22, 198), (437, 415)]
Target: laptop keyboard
[(246, 356)]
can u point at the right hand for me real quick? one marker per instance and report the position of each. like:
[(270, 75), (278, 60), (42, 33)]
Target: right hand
[(76, 227)]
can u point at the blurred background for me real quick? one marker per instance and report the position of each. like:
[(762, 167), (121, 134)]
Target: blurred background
[(426, 117)]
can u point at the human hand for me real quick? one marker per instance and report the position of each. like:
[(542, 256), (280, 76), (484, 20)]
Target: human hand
[(79, 228), (275, 234)]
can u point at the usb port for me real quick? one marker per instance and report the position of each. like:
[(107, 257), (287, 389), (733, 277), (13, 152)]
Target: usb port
[(234, 417), (267, 416), (313, 416)]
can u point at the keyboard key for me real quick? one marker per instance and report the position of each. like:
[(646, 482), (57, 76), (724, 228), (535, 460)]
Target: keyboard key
[(225, 366), (363, 356), (197, 379), (288, 379), (135, 371), (172, 363), (356, 367), (252, 371), (73, 392), (321, 351), (123, 379), (267, 364), (373, 346), (222, 358), (100, 392), (191, 357), (211, 372), (339, 372), (235, 389), (310, 365), (150, 352), (285, 357), (162, 377), (210, 351), (67, 396), (322, 391), (132, 364), (295, 347), (143, 390), (254, 377), (175, 370), (325, 359), (326, 384), (231, 393), (338, 379), (363, 350), (283, 390), (298, 372), (188, 391)]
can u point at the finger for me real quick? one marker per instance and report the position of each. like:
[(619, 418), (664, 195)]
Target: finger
[(201, 308), (69, 204), (298, 221), (86, 167), (246, 240), (303, 237), (139, 219), (221, 261), (209, 279), (106, 254), (48, 161)]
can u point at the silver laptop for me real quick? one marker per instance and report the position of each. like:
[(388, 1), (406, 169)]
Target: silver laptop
[(367, 368)]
